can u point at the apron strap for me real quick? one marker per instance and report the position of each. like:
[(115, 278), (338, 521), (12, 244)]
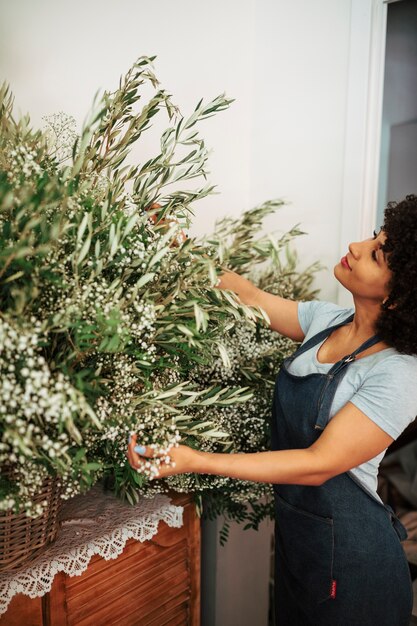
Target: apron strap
[(337, 371), (333, 378), (351, 357)]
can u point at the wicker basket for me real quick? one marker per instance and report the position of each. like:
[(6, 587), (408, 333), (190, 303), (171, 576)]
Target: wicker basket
[(23, 538)]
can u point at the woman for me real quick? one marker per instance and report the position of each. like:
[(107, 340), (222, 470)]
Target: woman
[(340, 400)]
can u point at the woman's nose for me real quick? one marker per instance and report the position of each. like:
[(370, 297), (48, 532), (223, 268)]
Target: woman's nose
[(354, 249)]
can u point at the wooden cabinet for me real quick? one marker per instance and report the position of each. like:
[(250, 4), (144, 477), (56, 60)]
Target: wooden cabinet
[(154, 583)]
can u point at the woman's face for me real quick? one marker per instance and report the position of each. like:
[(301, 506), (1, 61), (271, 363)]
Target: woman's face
[(364, 270)]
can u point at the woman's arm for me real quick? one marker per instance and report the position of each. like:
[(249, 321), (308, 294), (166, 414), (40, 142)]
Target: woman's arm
[(283, 314), (349, 439)]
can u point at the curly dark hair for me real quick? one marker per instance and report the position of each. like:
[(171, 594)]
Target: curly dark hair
[(397, 323)]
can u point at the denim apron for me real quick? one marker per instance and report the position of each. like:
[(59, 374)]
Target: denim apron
[(338, 556)]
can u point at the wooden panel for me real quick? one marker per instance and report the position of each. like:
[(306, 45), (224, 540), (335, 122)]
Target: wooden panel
[(177, 615), (192, 522), (137, 592), (179, 619), (155, 583), (167, 536), (130, 567), (121, 608), (55, 604), (23, 611), (134, 551), (176, 609)]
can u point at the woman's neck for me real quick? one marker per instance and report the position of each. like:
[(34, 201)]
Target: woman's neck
[(364, 321)]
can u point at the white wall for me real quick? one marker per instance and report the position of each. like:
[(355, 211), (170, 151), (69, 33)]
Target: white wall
[(300, 86), (284, 62), (56, 55)]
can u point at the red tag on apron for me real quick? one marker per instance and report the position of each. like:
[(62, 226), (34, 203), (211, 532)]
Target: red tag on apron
[(333, 589)]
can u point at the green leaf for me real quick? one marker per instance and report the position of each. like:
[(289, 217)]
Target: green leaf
[(130, 225), (224, 355), (84, 250), (91, 467), (82, 227), (146, 278), (158, 256)]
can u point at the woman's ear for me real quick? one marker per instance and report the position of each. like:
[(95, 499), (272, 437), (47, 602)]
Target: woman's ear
[(386, 304)]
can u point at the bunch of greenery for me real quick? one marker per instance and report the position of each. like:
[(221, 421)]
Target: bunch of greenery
[(110, 321), (254, 356)]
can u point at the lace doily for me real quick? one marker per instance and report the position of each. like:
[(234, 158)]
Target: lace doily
[(93, 523)]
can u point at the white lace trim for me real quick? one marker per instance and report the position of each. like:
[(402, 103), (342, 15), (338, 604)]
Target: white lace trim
[(94, 523)]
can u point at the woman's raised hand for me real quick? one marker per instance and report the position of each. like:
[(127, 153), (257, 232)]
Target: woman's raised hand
[(180, 237), (242, 287), (282, 313)]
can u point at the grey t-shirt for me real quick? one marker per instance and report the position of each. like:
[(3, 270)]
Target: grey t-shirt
[(382, 385)]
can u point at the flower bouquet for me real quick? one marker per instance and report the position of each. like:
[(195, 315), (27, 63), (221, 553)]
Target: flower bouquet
[(110, 321)]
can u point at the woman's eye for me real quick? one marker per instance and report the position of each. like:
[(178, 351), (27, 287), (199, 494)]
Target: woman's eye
[(375, 234)]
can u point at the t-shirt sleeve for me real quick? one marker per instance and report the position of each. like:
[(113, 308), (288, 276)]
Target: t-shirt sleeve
[(308, 311), (388, 395)]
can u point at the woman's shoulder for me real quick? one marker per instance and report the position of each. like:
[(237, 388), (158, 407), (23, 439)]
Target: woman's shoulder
[(316, 315), (395, 365), (386, 391)]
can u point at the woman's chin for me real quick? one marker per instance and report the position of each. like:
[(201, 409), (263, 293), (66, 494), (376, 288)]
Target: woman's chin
[(337, 271), (340, 275)]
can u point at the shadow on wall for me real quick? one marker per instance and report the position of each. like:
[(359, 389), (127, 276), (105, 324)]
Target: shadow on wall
[(236, 578)]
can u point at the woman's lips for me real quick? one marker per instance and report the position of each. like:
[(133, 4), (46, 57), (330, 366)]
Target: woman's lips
[(345, 263)]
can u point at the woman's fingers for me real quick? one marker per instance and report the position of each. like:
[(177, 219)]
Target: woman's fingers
[(132, 453), (144, 451), (136, 452), (169, 461), (225, 280), (175, 459)]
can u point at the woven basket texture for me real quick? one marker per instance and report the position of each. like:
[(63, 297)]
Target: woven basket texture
[(22, 538)]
